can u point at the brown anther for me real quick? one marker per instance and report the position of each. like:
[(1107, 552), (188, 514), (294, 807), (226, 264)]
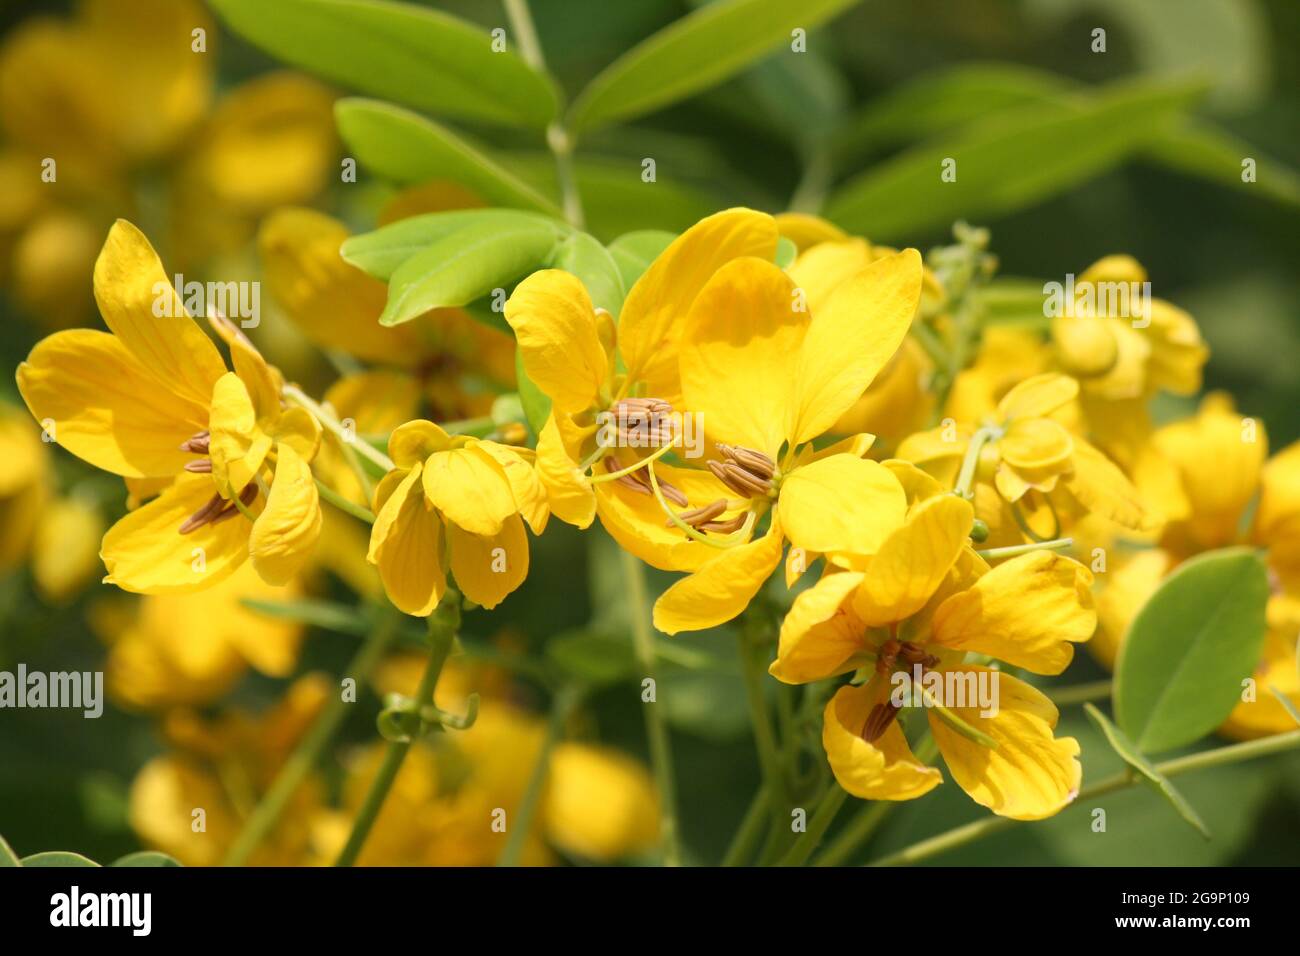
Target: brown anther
[(644, 422), (197, 444), (728, 526), (217, 509), (755, 462), (698, 516), (744, 471), (201, 466), (888, 655), (638, 482), (878, 721)]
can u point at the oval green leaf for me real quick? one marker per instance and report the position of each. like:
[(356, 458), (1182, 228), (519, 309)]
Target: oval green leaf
[(467, 265), (412, 55), (410, 149), (57, 858), (1007, 165), (1187, 651), (7, 856), (146, 858), (380, 252), (537, 404), (634, 251), (586, 258), (693, 54)]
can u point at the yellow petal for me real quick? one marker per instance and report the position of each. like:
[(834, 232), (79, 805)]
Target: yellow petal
[(285, 533), (142, 309), (406, 545), (738, 354), (1113, 268), (527, 487), (721, 588), (1178, 353), (599, 804), (1030, 774), (65, 548), (237, 446), (935, 445), (411, 443), (650, 326), (884, 770), (913, 560), (106, 408), (146, 553), (1025, 612), (487, 568), (298, 428), (1278, 514), (637, 522), (1128, 585), (917, 485), (568, 491), (806, 231), (1084, 346), (555, 325), (821, 270), (820, 634), (1105, 490), (841, 504), (851, 339), (1038, 396), (1036, 446), (470, 488)]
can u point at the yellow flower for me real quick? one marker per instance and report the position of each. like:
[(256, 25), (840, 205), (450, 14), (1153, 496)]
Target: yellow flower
[(453, 503), (222, 767), (112, 95), (458, 363), (174, 649), (1213, 467), (24, 485), (65, 551), (1033, 475), (587, 366), (767, 377), (152, 401), (918, 608)]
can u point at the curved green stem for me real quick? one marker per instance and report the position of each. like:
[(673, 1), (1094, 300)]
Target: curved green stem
[(970, 832), (443, 625), (343, 504), (1015, 550), (751, 828), (307, 755), (330, 422), (822, 817)]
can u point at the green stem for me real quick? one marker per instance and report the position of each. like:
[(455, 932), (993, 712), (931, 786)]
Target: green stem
[(1080, 693), (661, 755), (330, 422), (751, 828), (971, 462), (307, 754), (558, 138), (959, 836), (443, 625), (994, 554), (343, 504), (769, 753), (824, 814), (561, 707)]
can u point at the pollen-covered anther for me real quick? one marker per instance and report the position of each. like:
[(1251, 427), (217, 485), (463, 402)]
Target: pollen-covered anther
[(638, 481), (217, 509), (878, 720), (197, 444), (745, 471), (201, 466), (644, 422)]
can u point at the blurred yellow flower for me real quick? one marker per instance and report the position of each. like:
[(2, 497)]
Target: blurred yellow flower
[(145, 399), (109, 113)]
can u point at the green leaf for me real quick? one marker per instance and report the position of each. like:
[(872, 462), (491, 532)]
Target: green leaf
[(1187, 651), (146, 858), (786, 252), (412, 55), (537, 405), (587, 259), (410, 149), (634, 251), (57, 858), (698, 51), (1282, 699), (8, 857), (1148, 772), (593, 658), (339, 618), (380, 252), (1199, 148), (1007, 164), (467, 265)]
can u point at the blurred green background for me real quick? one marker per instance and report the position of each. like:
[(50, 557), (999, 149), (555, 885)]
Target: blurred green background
[(1224, 252)]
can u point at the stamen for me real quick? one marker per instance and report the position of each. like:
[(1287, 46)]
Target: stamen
[(699, 516), (197, 444), (878, 721), (202, 466), (217, 509), (754, 461), (744, 471), (637, 481), (644, 422)]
